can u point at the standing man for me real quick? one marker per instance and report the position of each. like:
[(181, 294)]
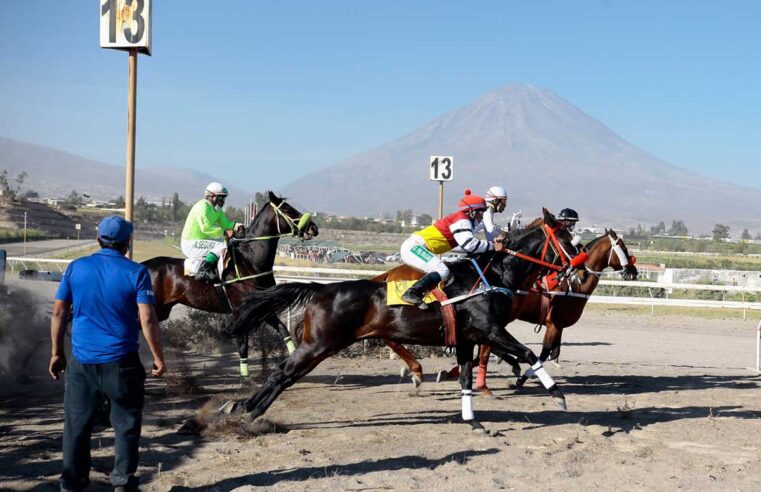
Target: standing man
[(205, 226), (112, 299)]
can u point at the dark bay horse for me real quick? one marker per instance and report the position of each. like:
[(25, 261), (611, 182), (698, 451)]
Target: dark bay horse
[(561, 306), (339, 314), (251, 257)]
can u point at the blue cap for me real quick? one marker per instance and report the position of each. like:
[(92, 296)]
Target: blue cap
[(114, 229)]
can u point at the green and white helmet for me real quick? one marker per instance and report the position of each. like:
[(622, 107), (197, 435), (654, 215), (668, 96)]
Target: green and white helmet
[(217, 189)]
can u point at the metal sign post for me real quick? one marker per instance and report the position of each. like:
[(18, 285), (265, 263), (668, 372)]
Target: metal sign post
[(441, 168), (126, 25)]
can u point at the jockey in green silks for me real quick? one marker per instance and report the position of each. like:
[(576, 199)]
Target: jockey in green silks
[(203, 235)]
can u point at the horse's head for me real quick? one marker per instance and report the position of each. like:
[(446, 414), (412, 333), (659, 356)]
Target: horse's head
[(278, 218), (543, 240), (290, 220), (619, 258)]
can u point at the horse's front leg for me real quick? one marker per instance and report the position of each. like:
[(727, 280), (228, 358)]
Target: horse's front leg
[(282, 330), (243, 356), (465, 361), (414, 367), (550, 344), (503, 342)]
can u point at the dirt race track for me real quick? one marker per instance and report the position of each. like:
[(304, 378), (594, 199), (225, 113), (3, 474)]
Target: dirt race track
[(655, 403)]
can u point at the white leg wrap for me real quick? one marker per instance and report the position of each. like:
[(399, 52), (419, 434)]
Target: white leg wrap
[(467, 405), (290, 345), (244, 368), (541, 373)]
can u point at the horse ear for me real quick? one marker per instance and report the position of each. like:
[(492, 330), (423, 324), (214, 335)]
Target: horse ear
[(273, 198), (549, 219)]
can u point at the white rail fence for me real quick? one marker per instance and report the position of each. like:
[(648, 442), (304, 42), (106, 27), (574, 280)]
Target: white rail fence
[(330, 275)]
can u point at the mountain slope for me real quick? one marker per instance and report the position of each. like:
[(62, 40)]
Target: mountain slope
[(545, 151), (54, 173)]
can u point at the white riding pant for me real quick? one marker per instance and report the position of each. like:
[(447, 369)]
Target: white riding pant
[(415, 253), (196, 250)]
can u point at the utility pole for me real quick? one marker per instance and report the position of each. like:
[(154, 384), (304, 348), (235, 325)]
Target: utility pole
[(24, 234)]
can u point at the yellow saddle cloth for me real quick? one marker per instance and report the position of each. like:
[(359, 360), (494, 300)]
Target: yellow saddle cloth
[(395, 290)]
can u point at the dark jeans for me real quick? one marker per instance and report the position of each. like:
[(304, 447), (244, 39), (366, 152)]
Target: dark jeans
[(86, 386)]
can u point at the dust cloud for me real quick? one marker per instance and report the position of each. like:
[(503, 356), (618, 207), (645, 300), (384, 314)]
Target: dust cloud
[(24, 338)]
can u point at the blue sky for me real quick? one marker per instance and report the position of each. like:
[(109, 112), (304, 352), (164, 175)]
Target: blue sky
[(260, 93)]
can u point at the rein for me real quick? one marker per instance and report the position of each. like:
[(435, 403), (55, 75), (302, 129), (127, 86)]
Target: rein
[(551, 241), (295, 227)]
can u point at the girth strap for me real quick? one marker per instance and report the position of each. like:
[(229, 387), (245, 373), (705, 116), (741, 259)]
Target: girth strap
[(447, 313)]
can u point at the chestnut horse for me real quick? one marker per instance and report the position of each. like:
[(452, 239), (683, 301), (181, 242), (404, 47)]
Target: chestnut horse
[(339, 314), (251, 256), (559, 307)]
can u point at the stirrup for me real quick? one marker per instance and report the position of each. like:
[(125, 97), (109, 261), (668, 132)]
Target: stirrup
[(415, 301)]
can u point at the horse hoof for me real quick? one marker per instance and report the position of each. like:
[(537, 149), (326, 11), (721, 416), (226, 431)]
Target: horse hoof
[(229, 407), (519, 383), (485, 392), (442, 376), (560, 402), (477, 428), (416, 381), (404, 372)]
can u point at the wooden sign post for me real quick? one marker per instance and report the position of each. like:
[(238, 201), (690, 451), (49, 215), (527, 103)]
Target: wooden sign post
[(441, 168), (126, 25)]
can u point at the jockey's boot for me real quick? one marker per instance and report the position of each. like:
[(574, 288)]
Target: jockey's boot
[(415, 294), (207, 272)]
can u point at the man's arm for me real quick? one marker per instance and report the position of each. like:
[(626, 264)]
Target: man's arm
[(57, 334), (150, 325)]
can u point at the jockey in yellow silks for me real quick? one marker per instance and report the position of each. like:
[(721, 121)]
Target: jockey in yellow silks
[(420, 249)]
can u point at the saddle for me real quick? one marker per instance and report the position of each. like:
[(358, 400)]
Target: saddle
[(401, 278), (191, 265)]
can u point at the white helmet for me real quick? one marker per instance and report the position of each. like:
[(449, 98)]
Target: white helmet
[(495, 193), (217, 189)]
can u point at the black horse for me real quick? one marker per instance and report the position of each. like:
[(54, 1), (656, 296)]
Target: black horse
[(337, 315), (252, 255)]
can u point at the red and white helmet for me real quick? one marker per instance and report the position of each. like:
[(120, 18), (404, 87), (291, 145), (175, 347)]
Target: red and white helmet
[(496, 193), (471, 202)]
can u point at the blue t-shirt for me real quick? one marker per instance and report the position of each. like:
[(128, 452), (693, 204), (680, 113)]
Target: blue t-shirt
[(105, 289)]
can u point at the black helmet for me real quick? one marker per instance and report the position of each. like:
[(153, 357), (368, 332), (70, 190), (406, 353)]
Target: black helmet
[(568, 214)]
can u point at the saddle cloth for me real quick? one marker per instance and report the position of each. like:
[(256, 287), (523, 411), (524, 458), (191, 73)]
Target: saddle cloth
[(401, 278)]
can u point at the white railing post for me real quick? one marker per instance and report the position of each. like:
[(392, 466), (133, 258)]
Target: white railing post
[(758, 347)]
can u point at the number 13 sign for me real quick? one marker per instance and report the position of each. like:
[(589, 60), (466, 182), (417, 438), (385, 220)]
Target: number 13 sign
[(441, 168), (126, 24)]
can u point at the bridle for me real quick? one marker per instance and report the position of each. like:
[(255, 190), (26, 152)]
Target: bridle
[(296, 229), (623, 259), (550, 242)]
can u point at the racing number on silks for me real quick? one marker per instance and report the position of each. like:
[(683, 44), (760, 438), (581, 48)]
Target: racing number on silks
[(441, 168), (136, 8)]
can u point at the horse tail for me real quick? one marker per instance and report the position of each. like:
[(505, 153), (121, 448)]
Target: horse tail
[(263, 303)]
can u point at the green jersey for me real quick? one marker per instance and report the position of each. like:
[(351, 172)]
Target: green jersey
[(205, 222)]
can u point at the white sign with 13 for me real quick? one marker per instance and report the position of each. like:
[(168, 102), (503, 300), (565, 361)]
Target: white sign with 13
[(441, 168)]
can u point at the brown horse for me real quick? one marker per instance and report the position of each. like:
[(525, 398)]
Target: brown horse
[(251, 257), (337, 315), (558, 307)]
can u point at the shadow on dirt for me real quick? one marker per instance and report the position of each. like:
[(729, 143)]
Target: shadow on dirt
[(278, 477), (617, 420)]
